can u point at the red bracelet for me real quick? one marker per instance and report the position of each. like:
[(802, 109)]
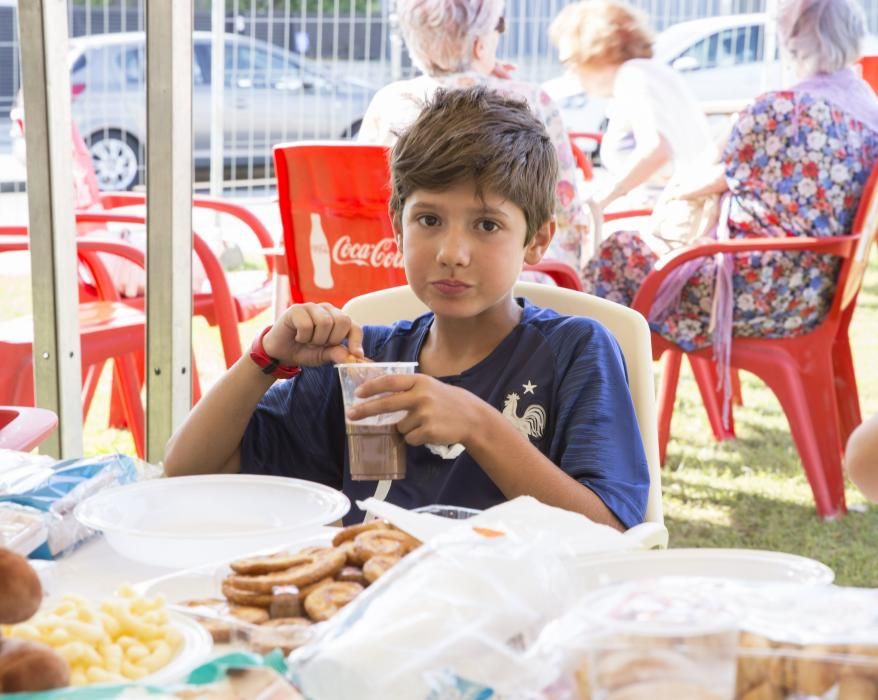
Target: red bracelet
[(270, 365)]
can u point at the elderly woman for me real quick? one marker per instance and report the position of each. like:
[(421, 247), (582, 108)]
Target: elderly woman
[(796, 163), (454, 44), (656, 127)]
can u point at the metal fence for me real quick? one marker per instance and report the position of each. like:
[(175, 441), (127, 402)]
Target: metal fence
[(293, 69)]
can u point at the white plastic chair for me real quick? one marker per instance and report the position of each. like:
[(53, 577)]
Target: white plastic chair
[(630, 330)]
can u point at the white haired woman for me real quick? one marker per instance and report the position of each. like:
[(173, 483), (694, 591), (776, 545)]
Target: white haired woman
[(454, 44), (796, 164)]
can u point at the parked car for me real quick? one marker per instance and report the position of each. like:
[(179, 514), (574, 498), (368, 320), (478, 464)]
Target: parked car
[(720, 58), (270, 95)]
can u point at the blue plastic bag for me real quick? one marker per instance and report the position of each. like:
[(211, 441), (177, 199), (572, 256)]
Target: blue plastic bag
[(66, 484)]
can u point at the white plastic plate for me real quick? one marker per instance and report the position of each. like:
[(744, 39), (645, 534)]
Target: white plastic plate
[(189, 521), (747, 564)]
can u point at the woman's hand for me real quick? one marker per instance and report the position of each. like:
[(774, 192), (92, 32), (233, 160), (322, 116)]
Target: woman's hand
[(437, 412), (504, 70), (309, 335)]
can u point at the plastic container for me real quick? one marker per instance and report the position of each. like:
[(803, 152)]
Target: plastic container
[(21, 529), (792, 641), (190, 521), (660, 642)]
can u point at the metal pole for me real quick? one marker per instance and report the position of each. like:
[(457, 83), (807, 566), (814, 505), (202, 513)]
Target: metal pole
[(217, 89), (46, 88), (769, 47), (395, 43), (169, 25)]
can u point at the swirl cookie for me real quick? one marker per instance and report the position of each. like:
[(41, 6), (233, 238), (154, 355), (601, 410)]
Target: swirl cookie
[(351, 531), (378, 565), (327, 600), (308, 569), (386, 542)]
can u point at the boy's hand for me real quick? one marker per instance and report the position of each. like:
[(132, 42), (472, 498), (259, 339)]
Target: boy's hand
[(309, 335), (437, 413)]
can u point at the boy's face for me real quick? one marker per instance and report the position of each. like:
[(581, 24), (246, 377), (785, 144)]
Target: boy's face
[(463, 253)]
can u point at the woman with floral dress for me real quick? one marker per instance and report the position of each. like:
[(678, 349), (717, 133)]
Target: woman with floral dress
[(795, 164), (454, 44)]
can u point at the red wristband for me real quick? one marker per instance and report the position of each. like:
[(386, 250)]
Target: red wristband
[(269, 365)]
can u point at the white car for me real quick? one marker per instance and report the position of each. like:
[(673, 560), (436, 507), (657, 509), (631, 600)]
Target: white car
[(720, 58)]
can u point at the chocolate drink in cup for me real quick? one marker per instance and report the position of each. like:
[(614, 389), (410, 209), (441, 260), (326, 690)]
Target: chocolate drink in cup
[(375, 452), (376, 449)]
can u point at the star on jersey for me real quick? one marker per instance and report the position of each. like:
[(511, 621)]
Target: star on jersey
[(529, 387)]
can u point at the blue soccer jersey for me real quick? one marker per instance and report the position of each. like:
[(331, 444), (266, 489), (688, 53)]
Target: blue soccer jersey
[(560, 380)]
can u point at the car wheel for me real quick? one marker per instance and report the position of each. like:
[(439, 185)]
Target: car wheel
[(116, 158), (352, 131)]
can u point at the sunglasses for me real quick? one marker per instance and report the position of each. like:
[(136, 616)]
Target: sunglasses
[(501, 25)]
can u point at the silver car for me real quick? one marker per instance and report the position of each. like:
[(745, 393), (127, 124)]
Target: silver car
[(270, 95)]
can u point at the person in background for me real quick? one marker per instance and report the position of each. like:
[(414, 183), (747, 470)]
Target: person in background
[(796, 164), (861, 457), (656, 127), (454, 44)]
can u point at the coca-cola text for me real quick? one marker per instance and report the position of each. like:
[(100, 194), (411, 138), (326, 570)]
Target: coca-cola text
[(384, 253)]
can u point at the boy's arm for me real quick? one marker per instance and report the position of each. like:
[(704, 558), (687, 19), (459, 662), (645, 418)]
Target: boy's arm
[(209, 441), (861, 457), (442, 414), (520, 469)]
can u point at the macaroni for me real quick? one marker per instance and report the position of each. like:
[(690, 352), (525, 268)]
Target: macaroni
[(124, 638)]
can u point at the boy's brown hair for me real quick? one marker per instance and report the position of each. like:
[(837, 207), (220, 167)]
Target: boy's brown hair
[(482, 136)]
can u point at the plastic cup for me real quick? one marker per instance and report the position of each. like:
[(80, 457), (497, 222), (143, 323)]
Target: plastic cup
[(376, 449), (664, 643)]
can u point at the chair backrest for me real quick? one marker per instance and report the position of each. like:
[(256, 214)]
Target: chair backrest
[(869, 70), (23, 428), (629, 327), (338, 237)]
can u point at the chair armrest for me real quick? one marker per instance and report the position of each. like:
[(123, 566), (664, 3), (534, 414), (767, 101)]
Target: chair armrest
[(835, 245), (627, 214), (561, 273), (11, 243), (114, 200), (23, 428), (13, 230), (650, 535)]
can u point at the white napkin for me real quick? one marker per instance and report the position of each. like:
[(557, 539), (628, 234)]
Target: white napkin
[(447, 451)]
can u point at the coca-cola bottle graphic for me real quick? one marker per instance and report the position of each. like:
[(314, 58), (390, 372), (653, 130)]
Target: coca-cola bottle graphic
[(320, 258)]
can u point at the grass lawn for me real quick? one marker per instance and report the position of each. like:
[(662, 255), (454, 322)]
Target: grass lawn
[(750, 492)]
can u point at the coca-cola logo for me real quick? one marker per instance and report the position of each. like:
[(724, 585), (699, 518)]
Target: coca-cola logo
[(383, 254)]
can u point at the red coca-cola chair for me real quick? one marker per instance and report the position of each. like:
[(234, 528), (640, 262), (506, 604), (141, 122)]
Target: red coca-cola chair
[(812, 375), (338, 239), (24, 427)]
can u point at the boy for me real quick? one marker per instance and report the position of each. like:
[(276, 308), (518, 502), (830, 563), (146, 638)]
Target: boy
[(539, 401)]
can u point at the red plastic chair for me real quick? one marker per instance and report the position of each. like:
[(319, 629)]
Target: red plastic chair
[(23, 427), (812, 375), (338, 238), (109, 330), (703, 370), (869, 69)]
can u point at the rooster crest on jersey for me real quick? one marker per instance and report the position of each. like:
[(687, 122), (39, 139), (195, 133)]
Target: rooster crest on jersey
[(531, 423)]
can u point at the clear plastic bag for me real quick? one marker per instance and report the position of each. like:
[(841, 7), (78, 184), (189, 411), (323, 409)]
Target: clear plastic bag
[(453, 619)]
